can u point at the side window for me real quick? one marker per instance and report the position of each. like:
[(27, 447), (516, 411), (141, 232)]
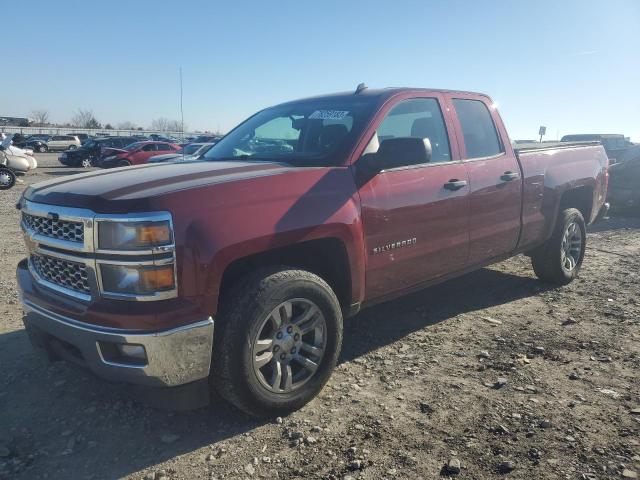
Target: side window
[(163, 147), (149, 148), (479, 132), (417, 118)]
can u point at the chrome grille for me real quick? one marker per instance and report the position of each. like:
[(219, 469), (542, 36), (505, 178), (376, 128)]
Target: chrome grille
[(59, 229), (63, 273)]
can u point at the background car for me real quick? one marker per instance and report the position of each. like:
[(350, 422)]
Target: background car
[(206, 139), (193, 151), (138, 153), (35, 144), (83, 137), (162, 138), (624, 180), (89, 153), (61, 142), (615, 144)]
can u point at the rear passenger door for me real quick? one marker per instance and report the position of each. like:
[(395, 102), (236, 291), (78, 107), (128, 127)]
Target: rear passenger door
[(495, 186), (415, 223)]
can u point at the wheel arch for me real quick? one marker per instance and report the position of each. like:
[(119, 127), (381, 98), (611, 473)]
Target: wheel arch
[(580, 198), (326, 257)]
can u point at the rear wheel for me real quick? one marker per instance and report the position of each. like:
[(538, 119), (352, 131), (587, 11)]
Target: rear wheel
[(72, 147), (42, 148), (277, 342), (124, 163), (7, 178), (560, 258)]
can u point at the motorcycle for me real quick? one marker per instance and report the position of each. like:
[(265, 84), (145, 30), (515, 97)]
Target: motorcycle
[(14, 161)]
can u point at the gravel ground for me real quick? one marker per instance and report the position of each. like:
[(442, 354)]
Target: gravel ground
[(490, 375)]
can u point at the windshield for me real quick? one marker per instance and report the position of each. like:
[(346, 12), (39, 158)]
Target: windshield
[(311, 132)]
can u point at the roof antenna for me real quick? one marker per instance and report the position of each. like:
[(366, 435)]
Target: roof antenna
[(361, 87)]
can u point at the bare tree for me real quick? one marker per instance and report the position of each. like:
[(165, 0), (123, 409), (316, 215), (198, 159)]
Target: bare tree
[(126, 126), (166, 125), (85, 119), (40, 117)]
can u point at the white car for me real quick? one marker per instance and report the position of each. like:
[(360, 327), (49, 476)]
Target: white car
[(62, 142)]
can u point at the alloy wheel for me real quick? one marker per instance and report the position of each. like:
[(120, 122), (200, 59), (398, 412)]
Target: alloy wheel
[(571, 248), (289, 345)]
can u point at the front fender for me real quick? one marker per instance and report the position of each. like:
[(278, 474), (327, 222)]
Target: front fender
[(219, 224)]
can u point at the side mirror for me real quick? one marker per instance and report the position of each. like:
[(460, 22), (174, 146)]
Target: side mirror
[(399, 152)]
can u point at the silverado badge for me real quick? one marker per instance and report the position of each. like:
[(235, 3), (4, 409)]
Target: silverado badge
[(392, 246)]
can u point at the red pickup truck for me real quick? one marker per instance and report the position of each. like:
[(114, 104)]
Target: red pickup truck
[(298, 218)]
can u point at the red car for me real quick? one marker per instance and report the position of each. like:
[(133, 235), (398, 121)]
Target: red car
[(137, 154)]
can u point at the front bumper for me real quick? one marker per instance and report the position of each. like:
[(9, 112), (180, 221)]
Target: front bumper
[(172, 357), (68, 161)]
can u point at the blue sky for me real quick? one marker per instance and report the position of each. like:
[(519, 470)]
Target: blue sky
[(570, 65)]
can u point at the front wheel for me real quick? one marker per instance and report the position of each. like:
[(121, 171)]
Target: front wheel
[(86, 163), (277, 342), (42, 148), (560, 258), (124, 163), (7, 178)]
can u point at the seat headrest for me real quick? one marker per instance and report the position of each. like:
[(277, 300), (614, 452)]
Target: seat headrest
[(425, 128), (332, 135)]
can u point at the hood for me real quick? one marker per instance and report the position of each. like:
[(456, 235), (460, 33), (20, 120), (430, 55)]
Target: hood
[(172, 157), (122, 190)]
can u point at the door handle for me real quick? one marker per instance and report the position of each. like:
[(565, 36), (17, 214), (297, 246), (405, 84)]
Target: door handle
[(508, 176), (455, 184)]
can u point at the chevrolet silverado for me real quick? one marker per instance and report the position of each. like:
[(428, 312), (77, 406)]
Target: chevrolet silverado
[(301, 216)]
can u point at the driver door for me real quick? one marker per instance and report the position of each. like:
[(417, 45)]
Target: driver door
[(415, 221)]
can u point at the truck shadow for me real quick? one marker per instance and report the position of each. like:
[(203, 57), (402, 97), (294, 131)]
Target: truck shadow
[(67, 424), (389, 322)]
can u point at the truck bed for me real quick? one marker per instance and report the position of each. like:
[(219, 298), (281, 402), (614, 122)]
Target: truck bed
[(528, 147), (550, 168)]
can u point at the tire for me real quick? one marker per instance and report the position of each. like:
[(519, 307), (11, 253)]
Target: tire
[(7, 178), (560, 258), (124, 163), (72, 147), (42, 148), (251, 309), (86, 163)]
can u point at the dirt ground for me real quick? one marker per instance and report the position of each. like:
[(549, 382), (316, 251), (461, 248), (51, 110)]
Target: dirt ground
[(495, 370)]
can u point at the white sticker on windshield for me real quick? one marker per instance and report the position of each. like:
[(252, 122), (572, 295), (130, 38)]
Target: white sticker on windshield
[(328, 114)]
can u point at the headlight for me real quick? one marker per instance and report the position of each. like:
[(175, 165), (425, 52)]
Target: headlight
[(137, 280), (133, 235)]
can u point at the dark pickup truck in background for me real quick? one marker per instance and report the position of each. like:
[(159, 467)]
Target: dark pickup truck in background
[(299, 217), (615, 144)]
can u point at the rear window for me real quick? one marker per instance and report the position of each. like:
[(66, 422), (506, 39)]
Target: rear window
[(479, 132)]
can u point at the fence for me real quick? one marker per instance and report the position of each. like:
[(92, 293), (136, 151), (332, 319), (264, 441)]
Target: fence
[(89, 131)]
